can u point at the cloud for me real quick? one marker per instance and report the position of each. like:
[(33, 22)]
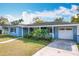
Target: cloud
[(74, 8), (11, 17), (46, 14), (27, 17)]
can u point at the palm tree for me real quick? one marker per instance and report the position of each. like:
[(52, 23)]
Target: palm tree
[(16, 22)]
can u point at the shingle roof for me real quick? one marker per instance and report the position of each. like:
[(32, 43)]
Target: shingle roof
[(47, 23), (44, 23)]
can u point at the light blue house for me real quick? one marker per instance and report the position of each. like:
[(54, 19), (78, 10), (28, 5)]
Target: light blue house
[(67, 31)]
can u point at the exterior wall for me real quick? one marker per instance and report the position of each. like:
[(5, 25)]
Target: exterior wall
[(78, 34), (25, 31), (0, 27), (20, 32), (56, 32), (17, 33), (75, 36), (52, 32), (75, 33)]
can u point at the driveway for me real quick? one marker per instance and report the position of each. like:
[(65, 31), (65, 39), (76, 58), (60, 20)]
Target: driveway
[(59, 48)]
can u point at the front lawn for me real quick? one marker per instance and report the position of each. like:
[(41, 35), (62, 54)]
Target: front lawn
[(22, 47), (6, 37)]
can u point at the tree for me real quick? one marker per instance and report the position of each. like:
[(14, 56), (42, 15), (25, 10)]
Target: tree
[(37, 20), (59, 20), (16, 22), (75, 19), (3, 21)]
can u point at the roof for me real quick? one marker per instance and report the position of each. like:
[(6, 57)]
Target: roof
[(47, 23), (41, 24)]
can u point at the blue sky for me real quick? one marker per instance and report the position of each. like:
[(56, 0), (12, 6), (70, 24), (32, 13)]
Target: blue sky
[(18, 8), (46, 11)]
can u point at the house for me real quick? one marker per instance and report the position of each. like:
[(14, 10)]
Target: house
[(67, 31)]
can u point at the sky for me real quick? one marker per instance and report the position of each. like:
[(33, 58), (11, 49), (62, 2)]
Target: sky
[(46, 11)]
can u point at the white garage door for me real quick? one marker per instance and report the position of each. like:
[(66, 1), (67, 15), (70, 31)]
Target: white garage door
[(65, 33)]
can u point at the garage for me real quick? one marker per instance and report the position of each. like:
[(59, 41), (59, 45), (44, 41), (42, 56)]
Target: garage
[(65, 33)]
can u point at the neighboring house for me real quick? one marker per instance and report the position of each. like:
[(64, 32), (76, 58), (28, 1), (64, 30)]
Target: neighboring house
[(68, 31)]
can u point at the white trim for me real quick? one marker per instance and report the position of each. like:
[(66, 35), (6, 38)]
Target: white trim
[(53, 25), (45, 25)]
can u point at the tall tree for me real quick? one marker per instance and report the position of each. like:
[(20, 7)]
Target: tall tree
[(3, 21), (16, 22), (37, 20), (75, 19), (59, 20)]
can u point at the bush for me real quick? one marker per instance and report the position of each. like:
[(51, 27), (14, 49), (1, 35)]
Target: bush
[(39, 34), (28, 35)]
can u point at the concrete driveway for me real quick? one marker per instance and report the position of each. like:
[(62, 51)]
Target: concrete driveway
[(59, 48)]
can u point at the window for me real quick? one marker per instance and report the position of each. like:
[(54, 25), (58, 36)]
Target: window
[(13, 30), (31, 29), (47, 28), (5, 30)]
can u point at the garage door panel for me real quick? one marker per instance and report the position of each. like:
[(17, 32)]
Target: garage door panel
[(65, 34)]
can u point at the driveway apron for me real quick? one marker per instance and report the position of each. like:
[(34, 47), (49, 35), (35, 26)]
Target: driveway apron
[(59, 48)]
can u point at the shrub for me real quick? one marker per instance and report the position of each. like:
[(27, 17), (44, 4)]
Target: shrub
[(39, 34), (28, 35)]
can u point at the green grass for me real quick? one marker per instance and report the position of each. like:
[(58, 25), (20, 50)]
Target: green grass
[(22, 47), (78, 45), (6, 37)]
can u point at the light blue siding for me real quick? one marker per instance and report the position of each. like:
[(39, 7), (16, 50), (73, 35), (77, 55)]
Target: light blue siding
[(17, 33), (25, 31), (56, 32), (77, 38), (75, 33)]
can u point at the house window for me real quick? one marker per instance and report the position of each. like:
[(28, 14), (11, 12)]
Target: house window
[(13, 30), (5, 30), (31, 29), (47, 28)]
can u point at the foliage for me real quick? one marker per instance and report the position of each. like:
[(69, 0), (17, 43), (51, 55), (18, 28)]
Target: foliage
[(16, 22), (39, 34), (59, 20), (3, 21), (37, 20), (78, 45), (75, 19)]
